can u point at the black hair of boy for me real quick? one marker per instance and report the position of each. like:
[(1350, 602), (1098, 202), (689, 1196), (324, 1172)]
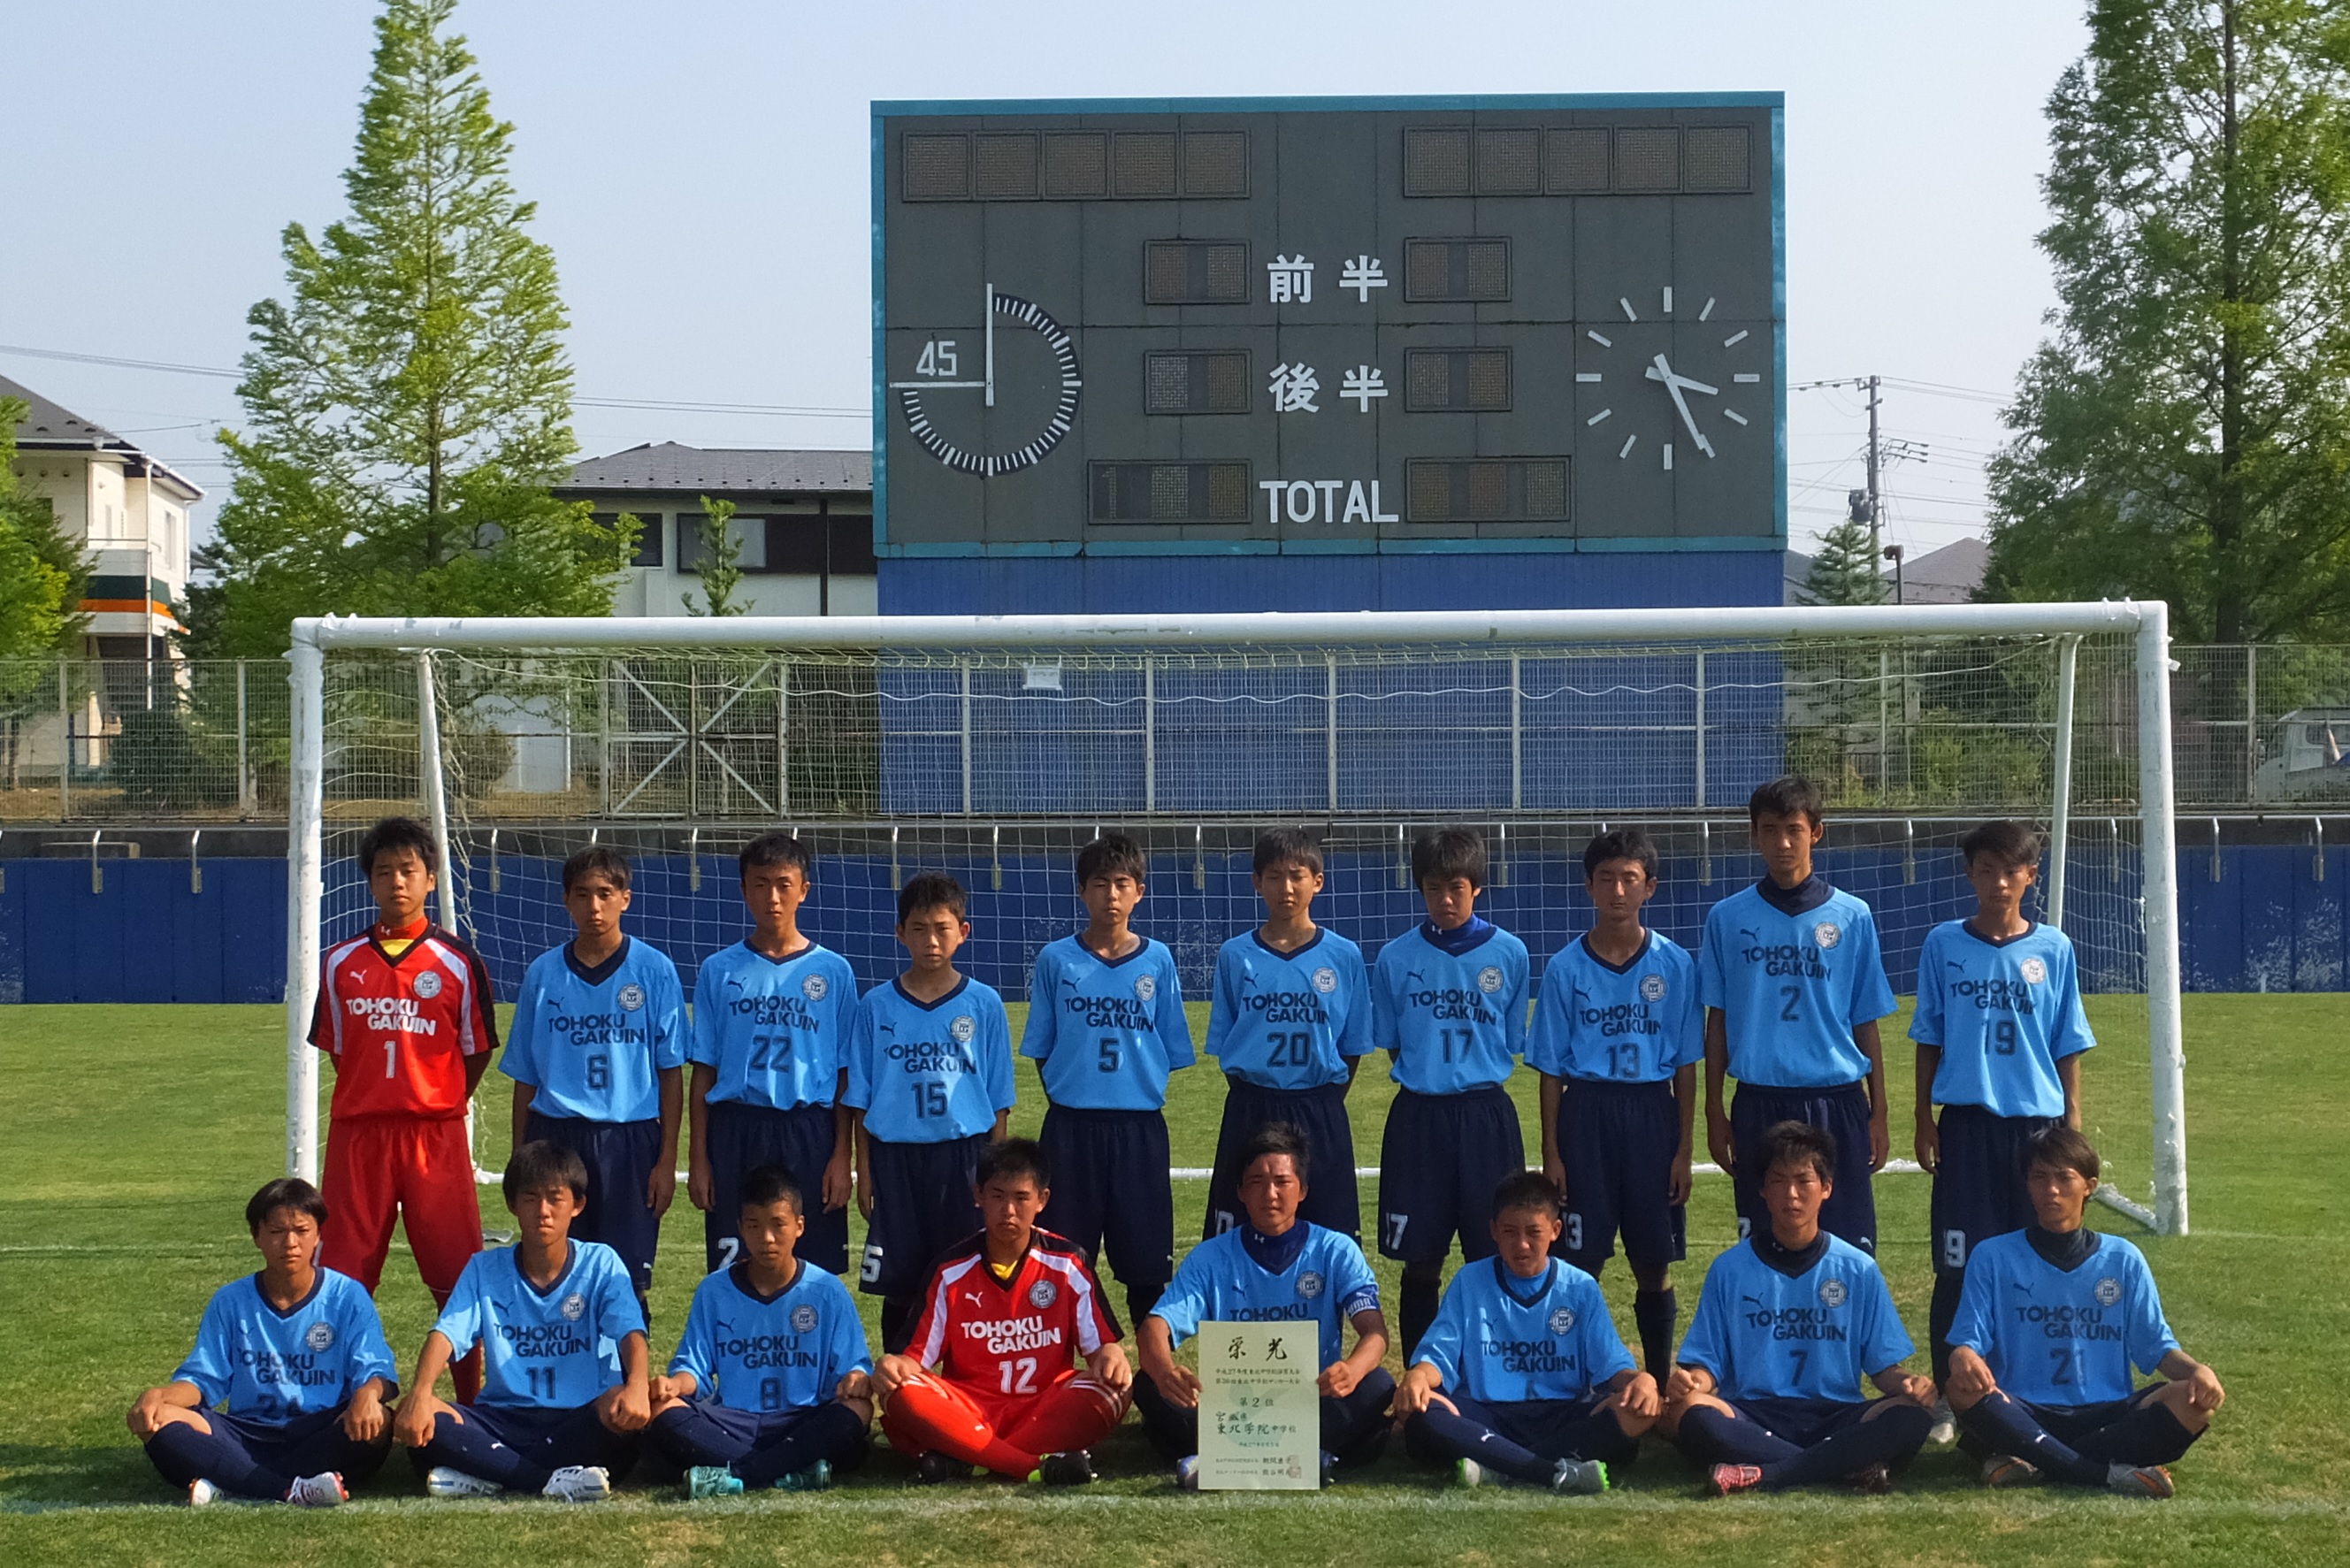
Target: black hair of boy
[(397, 833), (2060, 1148), (1528, 1190), (1620, 844), (770, 850), (931, 891), (539, 1165), (1111, 855), (1278, 1138), (286, 1192), (2008, 842), (1797, 1143), (1012, 1160), (1277, 846), (597, 860), (1441, 854), (1787, 796), (771, 1184)]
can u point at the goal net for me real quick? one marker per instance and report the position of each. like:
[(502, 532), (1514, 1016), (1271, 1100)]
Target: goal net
[(991, 749)]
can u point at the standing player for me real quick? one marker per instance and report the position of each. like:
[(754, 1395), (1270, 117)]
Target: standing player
[(596, 1051), (405, 1010), (2000, 1030), (1522, 1372), (1449, 1007), (770, 1382), (1004, 1321), (1105, 1027), (2054, 1317), (297, 1354), (1616, 1038), (771, 1019), (1291, 1022), (1793, 985), (1274, 1267), (1768, 1389), (930, 1074)]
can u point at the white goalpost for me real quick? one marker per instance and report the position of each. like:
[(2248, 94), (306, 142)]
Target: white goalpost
[(991, 745)]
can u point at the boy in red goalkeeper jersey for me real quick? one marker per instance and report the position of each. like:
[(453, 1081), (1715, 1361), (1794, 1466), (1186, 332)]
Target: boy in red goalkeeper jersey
[(990, 1376), (404, 1009)]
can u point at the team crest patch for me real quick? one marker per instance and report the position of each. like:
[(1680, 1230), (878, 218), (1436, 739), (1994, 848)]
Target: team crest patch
[(428, 984), (814, 988), (2035, 972), (2109, 1291), (1652, 988), (1043, 1294), (1826, 934), (963, 1027), (319, 1336), (1309, 1284), (575, 1308), (632, 998), (1489, 980), (1562, 1320), (1145, 986), (1326, 980), (803, 1319), (1832, 1292)]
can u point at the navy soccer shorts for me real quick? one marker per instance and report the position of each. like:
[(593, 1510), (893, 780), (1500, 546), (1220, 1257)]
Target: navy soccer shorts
[(1618, 1142), (546, 1438), (922, 1204), (745, 1138), (1331, 1199), (1806, 1423), (620, 1157), (702, 1431), (1439, 1161), (304, 1445), (1979, 1188), (1113, 1190), (1850, 1212)]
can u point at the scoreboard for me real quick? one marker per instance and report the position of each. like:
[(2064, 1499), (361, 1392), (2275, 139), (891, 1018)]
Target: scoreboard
[(1303, 326)]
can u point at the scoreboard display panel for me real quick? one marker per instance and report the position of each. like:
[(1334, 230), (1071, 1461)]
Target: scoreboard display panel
[(1319, 326)]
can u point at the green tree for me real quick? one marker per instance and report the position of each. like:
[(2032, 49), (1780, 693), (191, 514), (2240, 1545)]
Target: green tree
[(43, 573), (1845, 571), (408, 404), (720, 564), (2184, 433)]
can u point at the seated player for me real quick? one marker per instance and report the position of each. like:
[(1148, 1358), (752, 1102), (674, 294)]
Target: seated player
[(1273, 1265), (769, 1383), (1003, 1322), (298, 1353), (1768, 1389), (1522, 1372), (563, 1387), (2051, 1321)]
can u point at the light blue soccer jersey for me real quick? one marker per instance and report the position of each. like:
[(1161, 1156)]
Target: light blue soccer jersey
[(592, 1044), (2058, 1336), (1290, 1021), (1501, 1339), (1325, 1284), (1815, 1336), (929, 1071), (2003, 1013), (776, 1031), (789, 1352), (1636, 1024), (555, 1348), (1456, 1020), (272, 1365), (1107, 1033), (1792, 986)]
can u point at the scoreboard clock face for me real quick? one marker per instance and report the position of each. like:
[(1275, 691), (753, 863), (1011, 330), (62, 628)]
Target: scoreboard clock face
[(1270, 325)]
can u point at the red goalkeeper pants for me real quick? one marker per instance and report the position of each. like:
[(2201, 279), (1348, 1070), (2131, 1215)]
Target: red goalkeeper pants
[(1008, 1434), (381, 1169)]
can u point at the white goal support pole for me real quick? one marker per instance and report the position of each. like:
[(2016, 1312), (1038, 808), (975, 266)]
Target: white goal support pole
[(314, 637)]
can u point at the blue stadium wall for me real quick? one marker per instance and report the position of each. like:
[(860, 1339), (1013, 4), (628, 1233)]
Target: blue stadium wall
[(2269, 921)]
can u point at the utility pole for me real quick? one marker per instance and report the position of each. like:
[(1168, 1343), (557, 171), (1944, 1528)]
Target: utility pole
[(1876, 497)]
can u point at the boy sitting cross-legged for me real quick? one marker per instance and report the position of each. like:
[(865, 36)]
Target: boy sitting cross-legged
[(1522, 1372), (297, 1354), (769, 1385), (563, 1389)]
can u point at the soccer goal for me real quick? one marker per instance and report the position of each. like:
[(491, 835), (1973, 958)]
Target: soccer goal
[(992, 747)]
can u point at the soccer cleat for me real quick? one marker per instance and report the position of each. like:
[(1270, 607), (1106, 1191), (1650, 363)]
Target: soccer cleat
[(1579, 1477), (579, 1484), (324, 1490), (2003, 1470), (2150, 1482), (1729, 1479), (817, 1477), (1187, 1472), (202, 1493), (713, 1481), (1329, 1467), (443, 1481), (933, 1467), (1945, 1430), (1072, 1466), (1870, 1480), (1469, 1472)]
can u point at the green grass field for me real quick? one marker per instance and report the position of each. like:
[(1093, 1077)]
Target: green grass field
[(135, 1134)]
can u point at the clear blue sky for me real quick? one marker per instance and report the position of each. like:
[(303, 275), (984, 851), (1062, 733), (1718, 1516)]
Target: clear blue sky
[(700, 168)]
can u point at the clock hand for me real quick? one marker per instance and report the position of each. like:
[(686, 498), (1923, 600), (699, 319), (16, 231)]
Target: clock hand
[(1661, 372), (1683, 381)]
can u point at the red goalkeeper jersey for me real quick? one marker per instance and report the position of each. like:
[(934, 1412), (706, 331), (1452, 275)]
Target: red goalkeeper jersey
[(1011, 1336), (401, 1028)]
